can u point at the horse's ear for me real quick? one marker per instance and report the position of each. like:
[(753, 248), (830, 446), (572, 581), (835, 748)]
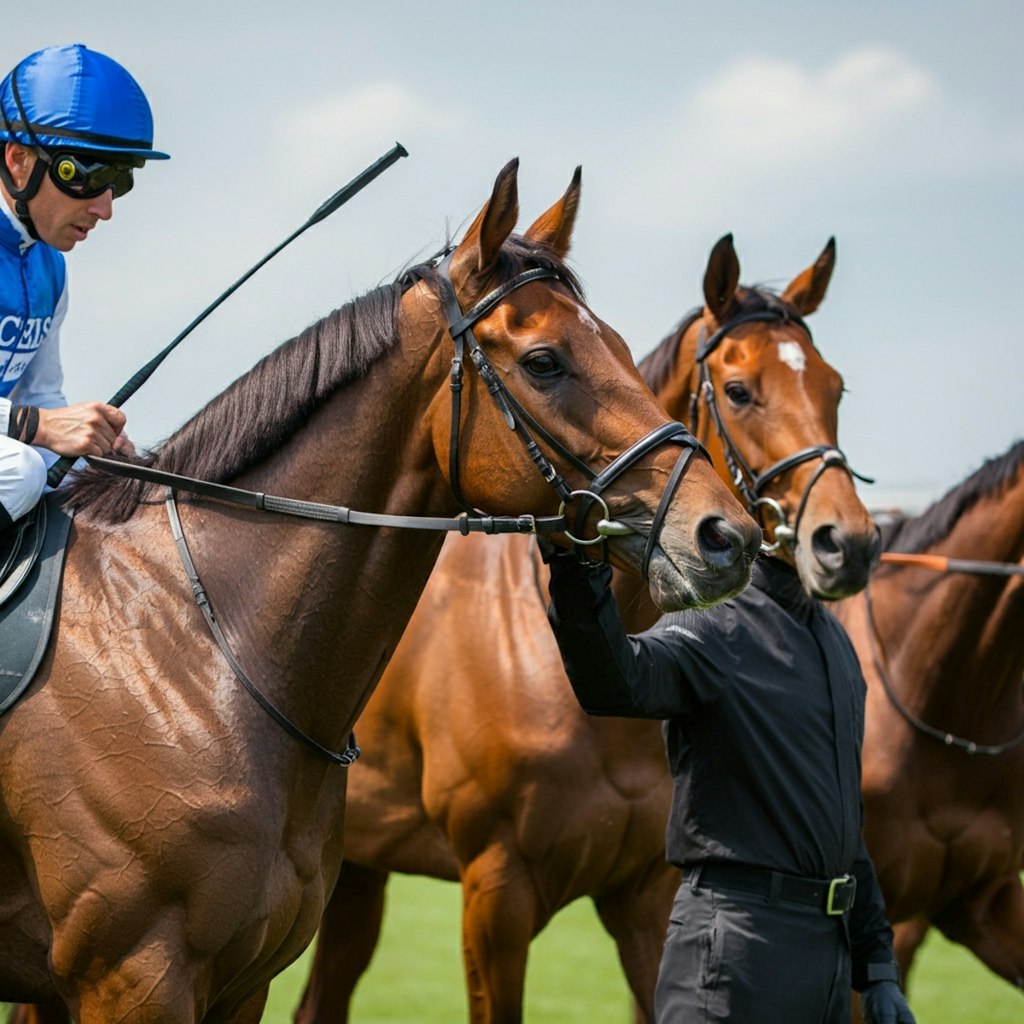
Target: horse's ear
[(808, 288), (721, 278), (554, 228), (477, 252)]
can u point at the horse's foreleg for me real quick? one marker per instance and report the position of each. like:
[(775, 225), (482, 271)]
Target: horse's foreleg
[(349, 932), (636, 917), (39, 1013), (252, 1011), (907, 939), (992, 927), (499, 918)]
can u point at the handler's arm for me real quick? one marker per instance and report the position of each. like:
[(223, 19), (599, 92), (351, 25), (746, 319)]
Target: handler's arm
[(611, 672), (870, 934)]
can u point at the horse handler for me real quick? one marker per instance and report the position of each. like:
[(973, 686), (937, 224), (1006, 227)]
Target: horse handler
[(779, 913), (74, 125)]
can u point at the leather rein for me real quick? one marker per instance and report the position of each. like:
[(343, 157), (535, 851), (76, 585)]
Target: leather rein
[(472, 520), (936, 563), (749, 483)]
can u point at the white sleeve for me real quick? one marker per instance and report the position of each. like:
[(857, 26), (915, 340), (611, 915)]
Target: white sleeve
[(42, 383)]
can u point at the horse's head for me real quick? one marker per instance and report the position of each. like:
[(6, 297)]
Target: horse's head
[(766, 404), (564, 379)]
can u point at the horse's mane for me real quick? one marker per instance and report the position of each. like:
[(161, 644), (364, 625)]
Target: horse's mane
[(255, 415), (918, 533), (659, 365)]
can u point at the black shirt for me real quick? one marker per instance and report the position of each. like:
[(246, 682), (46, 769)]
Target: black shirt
[(763, 702)]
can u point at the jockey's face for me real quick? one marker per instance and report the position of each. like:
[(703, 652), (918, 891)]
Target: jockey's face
[(60, 220)]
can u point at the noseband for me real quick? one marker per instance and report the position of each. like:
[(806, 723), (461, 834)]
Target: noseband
[(749, 483), (460, 326)]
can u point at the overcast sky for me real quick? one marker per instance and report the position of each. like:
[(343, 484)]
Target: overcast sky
[(897, 127)]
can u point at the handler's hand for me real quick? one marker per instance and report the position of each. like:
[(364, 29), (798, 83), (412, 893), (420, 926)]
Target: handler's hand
[(548, 550), (883, 1003), (89, 428)]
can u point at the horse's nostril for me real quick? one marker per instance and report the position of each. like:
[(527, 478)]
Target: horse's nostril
[(712, 537), (828, 547), (724, 544)]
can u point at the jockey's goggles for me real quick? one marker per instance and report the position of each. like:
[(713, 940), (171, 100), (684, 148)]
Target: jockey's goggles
[(84, 180)]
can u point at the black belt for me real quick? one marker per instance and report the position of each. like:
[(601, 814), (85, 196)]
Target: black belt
[(833, 896)]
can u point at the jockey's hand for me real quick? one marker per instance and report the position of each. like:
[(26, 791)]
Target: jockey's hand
[(123, 446), (89, 428)]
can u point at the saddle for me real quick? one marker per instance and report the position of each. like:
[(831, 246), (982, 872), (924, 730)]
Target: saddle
[(32, 554)]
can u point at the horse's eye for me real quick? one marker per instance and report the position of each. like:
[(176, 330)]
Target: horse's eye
[(738, 394), (541, 364)]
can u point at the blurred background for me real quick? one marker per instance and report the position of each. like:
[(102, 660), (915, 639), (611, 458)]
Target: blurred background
[(896, 128)]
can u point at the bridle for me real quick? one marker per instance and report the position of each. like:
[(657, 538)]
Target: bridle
[(460, 327), (947, 739), (749, 483)]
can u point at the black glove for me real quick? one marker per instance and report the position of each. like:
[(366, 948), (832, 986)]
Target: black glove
[(883, 1003)]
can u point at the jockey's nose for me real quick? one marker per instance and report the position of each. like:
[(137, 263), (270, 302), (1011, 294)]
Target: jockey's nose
[(102, 206)]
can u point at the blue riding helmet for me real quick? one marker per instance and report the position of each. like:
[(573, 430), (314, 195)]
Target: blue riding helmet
[(71, 97)]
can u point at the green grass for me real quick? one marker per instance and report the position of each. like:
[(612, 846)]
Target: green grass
[(574, 972)]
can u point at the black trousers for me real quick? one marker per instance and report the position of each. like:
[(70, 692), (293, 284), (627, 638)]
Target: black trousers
[(732, 956)]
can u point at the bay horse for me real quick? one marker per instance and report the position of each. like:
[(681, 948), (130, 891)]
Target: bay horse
[(943, 655), (167, 842), (480, 766)]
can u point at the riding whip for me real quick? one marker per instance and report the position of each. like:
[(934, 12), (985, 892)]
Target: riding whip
[(60, 468)]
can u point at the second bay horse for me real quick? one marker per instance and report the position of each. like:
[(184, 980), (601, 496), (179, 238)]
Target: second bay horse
[(480, 767), (168, 839), (943, 655)]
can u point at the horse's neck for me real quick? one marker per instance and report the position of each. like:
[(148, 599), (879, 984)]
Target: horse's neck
[(955, 636), (307, 601)]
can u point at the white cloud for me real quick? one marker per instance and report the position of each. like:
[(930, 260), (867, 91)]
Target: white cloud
[(379, 108), (777, 113), (767, 138)]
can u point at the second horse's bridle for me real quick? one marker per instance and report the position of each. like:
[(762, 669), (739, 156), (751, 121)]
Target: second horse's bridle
[(749, 483)]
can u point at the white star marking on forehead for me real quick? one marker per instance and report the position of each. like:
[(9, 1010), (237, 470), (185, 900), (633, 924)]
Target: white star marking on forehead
[(587, 320), (792, 355)]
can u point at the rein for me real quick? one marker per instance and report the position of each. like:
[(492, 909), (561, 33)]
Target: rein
[(350, 754), (951, 565), (749, 483), (327, 513)]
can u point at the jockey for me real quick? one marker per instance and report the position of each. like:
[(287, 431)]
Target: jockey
[(74, 126)]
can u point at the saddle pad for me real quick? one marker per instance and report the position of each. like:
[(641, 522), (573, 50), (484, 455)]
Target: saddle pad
[(26, 617)]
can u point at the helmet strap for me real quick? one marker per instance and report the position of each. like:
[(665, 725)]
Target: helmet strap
[(21, 196)]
